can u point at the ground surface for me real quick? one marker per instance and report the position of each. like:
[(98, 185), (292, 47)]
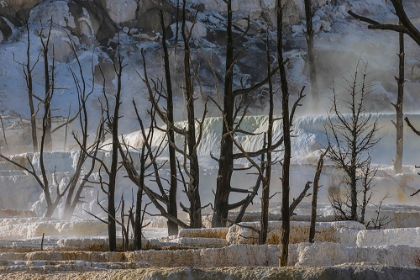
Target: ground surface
[(353, 272)]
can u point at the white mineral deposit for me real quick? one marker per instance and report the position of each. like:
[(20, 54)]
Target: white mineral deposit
[(62, 56)]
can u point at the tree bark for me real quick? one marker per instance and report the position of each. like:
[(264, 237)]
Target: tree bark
[(48, 87), (172, 205), (112, 229), (30, 88), (221, 200), (265, 200), (194, 171), (311, 55), (285, 211), (399, 125), (315, 196)]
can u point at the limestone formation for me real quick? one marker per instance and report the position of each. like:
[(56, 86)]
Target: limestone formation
[(388, 237), (325, 232), (202, 242), (82, 18), (35, 227), (120, 11), (17, 11), (204, 233), (148, 15)]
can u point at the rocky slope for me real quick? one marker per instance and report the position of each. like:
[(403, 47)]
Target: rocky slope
[(97, 27)]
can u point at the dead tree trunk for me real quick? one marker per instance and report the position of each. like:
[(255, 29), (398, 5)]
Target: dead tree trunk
[(399, 124), (172, 205), (229, 113), (405, 26), (221, 200), (194, 171), (112, 121), (285, 211), (78, 182), (315, 195), (311, 54), (351, 137), (265, 199), (156, 198), (30, 88), (48, 88)]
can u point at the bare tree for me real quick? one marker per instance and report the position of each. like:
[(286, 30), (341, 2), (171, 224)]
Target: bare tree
[(399, 124), (230, 111), (191, 138), (45, 144), (192, 141), (351, 138), (285, 210), (42, 179), (172, 207), (156, 91), (145, 154), (404, 27), (76, 184), (311, 54), (265, 199), (112, 116), (112, 122), (221, 200), (148, 159), (49, 86), (315, 195), (79, 179), (28, 72)]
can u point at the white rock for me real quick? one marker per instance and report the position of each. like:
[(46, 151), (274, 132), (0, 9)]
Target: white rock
[(203, 242), (316, 26), (133, 31), (297, 28), (213, 20), (268, 4), (321, 254), (326, 26), (325, 231), (121, 10), (199, 29), (329, 254), (23, 228), (388, 237), (204, 233)]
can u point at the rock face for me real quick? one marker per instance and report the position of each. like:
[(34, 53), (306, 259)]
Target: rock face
[(388, 237), (120, 11), (5, 29), (204, 233), (35, 227), (325, 232), (148, 14), (300, 255), (82, 18), (293, 10), (17, 11), (329, 254)]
